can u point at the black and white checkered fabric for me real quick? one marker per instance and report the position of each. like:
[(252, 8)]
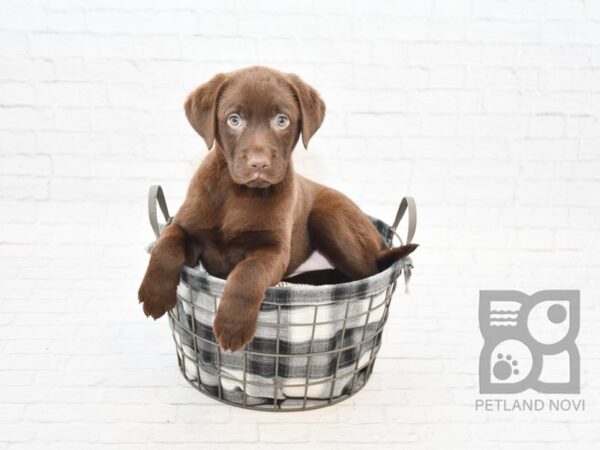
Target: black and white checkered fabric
[(312, 342)]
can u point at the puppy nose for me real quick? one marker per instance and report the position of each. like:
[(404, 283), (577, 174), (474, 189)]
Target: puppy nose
[(258, 163)]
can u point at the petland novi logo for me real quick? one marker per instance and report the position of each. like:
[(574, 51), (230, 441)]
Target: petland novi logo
[(529, 343)]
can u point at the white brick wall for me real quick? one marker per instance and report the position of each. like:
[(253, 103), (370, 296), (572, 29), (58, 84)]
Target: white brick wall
[(486, 111)]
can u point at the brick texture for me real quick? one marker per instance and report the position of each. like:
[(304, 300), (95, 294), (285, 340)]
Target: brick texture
[(486, 111)]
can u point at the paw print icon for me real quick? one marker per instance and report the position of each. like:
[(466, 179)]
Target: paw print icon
[(529, 341)]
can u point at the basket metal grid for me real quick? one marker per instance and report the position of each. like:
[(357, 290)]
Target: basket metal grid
[(349, 358)]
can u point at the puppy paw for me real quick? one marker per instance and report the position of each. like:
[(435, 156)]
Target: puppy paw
[(234, 325), (158, 298)]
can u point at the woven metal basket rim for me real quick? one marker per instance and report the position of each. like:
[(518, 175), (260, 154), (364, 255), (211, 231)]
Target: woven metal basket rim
[(199, 279)]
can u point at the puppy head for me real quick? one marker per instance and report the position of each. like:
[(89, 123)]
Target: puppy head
[(256, 116)]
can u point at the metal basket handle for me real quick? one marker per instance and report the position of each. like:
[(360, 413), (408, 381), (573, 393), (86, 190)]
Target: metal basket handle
[(156, 196), (406, 204)]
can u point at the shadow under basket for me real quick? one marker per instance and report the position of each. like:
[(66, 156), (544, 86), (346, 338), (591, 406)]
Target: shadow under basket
[(314, 345)]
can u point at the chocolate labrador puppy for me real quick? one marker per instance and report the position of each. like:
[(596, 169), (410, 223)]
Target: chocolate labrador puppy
[(248, 217)]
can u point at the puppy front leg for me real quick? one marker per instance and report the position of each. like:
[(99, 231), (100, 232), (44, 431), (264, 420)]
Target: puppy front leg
[(158, 291), (235, 321)]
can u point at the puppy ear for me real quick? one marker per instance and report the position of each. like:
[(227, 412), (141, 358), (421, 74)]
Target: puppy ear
[(201, 108), (312, 107)]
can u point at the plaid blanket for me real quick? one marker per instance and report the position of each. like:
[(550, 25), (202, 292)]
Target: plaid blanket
[(312, 342)]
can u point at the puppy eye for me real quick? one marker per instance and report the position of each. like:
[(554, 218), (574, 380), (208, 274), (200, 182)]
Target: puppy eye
[(234, 120), (282, 121)]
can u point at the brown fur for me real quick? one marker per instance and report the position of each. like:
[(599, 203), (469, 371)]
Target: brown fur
[(247, 215)]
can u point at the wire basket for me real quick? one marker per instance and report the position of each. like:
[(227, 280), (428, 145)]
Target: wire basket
[(314, 345)]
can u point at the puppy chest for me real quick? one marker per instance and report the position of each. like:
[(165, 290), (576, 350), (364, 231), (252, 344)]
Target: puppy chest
[(222, 252)]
